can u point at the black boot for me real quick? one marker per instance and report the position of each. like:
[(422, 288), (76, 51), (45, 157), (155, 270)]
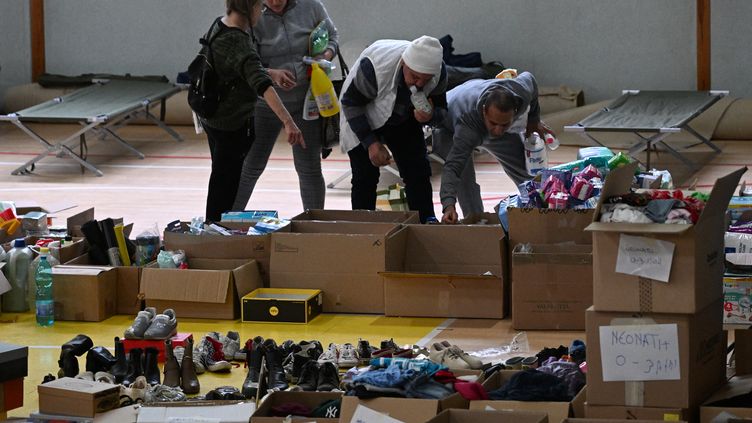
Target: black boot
[(309, 376), (274, 356), (120, 368), (151, 368), (253, 357), (99, 359), (328, 378), (135, 367), (76, 347), (68, 364)]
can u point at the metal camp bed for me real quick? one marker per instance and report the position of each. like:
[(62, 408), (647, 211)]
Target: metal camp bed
[(101, 108), (651, 116)]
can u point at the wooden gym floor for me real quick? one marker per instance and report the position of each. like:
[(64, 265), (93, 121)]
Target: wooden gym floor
[(170, 183)]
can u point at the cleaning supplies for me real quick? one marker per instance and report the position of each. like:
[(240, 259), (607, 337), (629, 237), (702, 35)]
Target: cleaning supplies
[(323, 90)]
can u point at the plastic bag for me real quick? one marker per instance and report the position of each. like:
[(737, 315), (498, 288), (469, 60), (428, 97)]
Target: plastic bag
[(517, 346), (147, 246), (172, 260), (319, 39)]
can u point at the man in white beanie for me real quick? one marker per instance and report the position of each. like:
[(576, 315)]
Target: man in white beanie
[(377, 113)]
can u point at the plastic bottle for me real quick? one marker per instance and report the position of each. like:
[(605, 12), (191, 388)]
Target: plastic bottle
[(324, 64), (536, 159), (419, 100), (17, 269), (551, 141), (45, 303), (32, 273), (323, 90)]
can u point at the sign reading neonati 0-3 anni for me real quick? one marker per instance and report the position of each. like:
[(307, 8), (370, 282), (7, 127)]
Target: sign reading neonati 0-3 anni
[(640, 353)]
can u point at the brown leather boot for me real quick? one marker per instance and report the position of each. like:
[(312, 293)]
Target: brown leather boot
[(171, 367), (188, 378)]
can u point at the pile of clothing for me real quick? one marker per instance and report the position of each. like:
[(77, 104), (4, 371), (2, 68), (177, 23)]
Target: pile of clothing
[(654, 206)]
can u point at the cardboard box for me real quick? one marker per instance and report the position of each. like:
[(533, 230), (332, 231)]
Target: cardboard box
[(77, 397), (407, 410), (556, 411), (743, 351), (552, 286), (209, 289), (737, 386), (14, 362), (696, 270), (128, 287), (623, 413), (737, 299), (683, 354), (368, 216), (342, 259), (549, 226), (84, 293), (280, 305), (447, 271), (310, 399), (209, 411), (478, 416)]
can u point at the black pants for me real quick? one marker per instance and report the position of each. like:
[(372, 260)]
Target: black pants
[(228, 150), (408, 148)]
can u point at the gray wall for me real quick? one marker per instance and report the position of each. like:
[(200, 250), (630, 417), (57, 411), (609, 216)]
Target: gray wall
[(601, 46)]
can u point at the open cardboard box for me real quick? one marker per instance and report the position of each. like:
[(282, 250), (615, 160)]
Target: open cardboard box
[(197, 411), (128, 288), (310, 399), (549, 226), (367, 216), (696, 271), (482, 416), (84, 293), (407, 410)]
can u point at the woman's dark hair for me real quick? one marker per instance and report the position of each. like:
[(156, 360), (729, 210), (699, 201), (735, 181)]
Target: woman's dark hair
[(242, 7), (503, 100)]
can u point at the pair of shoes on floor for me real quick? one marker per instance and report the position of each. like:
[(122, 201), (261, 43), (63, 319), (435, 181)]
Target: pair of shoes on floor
[(453, 356), (344, 357), (300, 354), (389, 349), (267, 354), (319, 377), (141, 362), (150, 325), (211, 355), (180, 372)]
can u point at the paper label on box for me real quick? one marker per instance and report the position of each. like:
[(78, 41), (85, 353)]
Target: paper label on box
[(640, 353), (646, 257), (366, 415), (79, 270)]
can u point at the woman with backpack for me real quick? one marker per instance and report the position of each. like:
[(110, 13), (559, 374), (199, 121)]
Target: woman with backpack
[(283, 36), (230, 130)]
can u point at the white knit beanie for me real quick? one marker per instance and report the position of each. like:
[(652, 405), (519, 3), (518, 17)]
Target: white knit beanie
[(424, 55)]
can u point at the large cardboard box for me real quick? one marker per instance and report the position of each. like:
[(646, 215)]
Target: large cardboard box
[(407, 410), (197, 411), (736, 386), (447, 271), (128, 286), (372, 216), (84, 293), (312, 400), (342, 259), (479, 416), (77, 397), (618, 412), (209, 289), (655, 360), (696, 267), (549, 226), (552, 286)]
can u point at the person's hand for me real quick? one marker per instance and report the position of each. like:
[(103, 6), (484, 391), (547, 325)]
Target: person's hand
[(450, 215), (541, 128), (294, 136), (424, 117), (328, 54), (378, 154), (283, 78)]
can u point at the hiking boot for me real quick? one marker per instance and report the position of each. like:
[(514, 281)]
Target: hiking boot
[(120, 368), (230, 345), (389, 344), (213, 358), (364, 350), (348, 357), (151, 367), (162, 326), (188, 379), (255, 356), (135, 366), (140, 323), (309, 376), (273, 355), (329, 356), (99, 359), (328, 377), (171, 367)]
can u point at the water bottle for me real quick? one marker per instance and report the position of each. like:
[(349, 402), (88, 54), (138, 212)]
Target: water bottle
[(536, 159), (419, 100), (19, 259), (551, 141), (32, 273), (45, 303)]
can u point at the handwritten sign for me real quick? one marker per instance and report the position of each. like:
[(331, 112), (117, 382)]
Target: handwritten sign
[(639, 353), (366, 415), (647, 257)]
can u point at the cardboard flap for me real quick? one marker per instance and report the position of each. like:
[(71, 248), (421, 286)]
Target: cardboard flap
[(721, 194), (74, 222), (216, 264), (639, 228), (210, 286), (79, 270), (618, 182), (449, 277), (348, 228), (736, 386), (247, 278)]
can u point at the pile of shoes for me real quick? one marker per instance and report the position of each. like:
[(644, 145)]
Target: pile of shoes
[(150, 325), (267, 354)]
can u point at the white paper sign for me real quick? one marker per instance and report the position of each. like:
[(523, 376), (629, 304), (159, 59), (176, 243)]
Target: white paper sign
[(640, 352), (647, 257), (366, 415)]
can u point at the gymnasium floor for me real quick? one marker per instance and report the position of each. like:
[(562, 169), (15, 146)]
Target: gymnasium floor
[(171, 184)]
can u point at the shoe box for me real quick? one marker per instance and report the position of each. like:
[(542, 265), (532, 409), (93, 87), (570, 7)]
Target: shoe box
[(281, 305), (342, 259), (654, 360), (365, 216), (556, 411), (197, 411), (610, 413), (210, 288), (406, 410), (77, 397), (481, 416), (178, 340), (312, 400), (14, 362), (656, 267), (451, 271), (552, 286), (84, 293), (738, 386), (128, 285)]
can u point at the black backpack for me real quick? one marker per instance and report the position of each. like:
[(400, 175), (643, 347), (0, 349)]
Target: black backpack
[(207, 89)]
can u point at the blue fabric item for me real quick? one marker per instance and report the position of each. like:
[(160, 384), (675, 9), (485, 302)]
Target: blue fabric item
[(426, 366), (511, 201), (423, 386), (390, 377)]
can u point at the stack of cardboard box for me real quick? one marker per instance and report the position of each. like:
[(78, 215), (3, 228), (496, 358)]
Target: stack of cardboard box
[(656, 346)]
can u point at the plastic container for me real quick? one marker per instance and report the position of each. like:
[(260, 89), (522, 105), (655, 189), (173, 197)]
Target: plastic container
[(551, 141), (323, 90), (419, 100), (45, 305), (32, 273), (536, 159), (19, 259), (324, 64)]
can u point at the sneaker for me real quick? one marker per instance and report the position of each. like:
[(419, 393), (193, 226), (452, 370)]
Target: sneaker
[(329, 356), (309, 376), (140, 324), (389, 344), (328, 377), (447, 357), (197, 364), (348, 357), (164, 393), (474, 362), (230, 345), (315, 349), (364, 350), (213, 358), (162, 326)]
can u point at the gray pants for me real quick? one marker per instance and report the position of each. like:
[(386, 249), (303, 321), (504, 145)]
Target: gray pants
[(507, 150), (307, 160)]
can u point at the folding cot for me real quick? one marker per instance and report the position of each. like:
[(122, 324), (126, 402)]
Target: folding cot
[(651, 116), (101, 108)]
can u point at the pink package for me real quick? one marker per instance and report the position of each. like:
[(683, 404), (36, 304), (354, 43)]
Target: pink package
[(558, 200), (554, 187), (581, 189), (589, 173)]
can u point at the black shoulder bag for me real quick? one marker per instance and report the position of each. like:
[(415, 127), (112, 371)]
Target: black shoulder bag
[(330, 125)]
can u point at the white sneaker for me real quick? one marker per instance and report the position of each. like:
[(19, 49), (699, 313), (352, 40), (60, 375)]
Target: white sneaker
[(329, 356), (474, 362), (447, 357), (348, 357)]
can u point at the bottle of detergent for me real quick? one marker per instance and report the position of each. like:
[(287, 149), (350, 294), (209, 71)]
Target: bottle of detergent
[(323, 90), (536, 159), (16, 272)]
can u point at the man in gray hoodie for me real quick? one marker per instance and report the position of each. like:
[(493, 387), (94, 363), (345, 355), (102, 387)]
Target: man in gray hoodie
[(490, 114)]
